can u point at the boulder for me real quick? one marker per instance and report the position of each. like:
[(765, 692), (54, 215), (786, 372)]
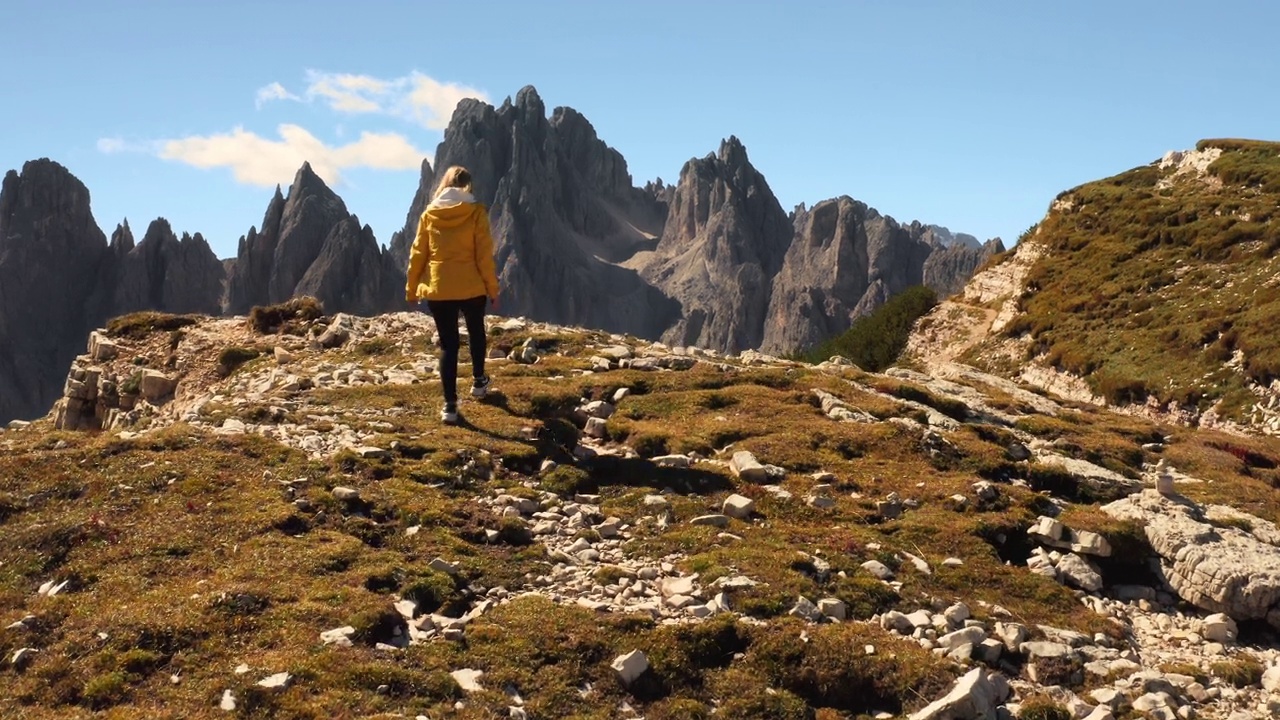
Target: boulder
[(1219, 569), (974, 697), (630, 666), (747, 468)]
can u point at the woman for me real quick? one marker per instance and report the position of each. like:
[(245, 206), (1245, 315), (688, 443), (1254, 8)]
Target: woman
[(451, 267)]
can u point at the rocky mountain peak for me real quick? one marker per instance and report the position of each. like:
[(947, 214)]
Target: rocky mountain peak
[(52, 256), (122, 239)]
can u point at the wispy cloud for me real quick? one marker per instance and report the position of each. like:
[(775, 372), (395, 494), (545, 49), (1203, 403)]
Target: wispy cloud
[(415, 97), (256, 160), (274, 91), (115, 145)]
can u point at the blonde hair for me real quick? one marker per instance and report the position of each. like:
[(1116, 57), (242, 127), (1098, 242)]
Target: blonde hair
[(455, 177)]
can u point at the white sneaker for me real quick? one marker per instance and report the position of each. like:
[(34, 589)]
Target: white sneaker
[(449, 415), (479, 387)]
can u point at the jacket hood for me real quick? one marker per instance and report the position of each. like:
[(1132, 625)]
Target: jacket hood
[(453, 206)]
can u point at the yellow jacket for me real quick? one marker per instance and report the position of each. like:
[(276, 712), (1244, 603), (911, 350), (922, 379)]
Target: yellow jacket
[(452, 255)]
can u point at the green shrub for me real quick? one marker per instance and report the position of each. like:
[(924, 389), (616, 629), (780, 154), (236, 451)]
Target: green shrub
[(288, 317), (141, 324), (105, 690), (874, 342), (566, 481), (230, 359), (1042, 708)]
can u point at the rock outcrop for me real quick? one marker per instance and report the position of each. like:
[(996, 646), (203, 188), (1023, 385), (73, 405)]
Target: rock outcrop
[(165, 273), (564, 214), (309, 244), (723, 245), (1220, 567), (52, 256)]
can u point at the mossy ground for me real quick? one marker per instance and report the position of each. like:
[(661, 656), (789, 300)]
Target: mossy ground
[(187, 555)]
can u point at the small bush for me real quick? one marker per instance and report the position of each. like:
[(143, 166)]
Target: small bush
[(430, 591), (566, 481), (287, 317), (141, 324), (230, 359), (874, 342), (105, 690), (133, 385), (375, 346), (1042, 708), (1241, 673)]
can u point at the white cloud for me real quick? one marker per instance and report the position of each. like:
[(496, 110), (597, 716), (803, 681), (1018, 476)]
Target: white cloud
[(256, 160), (274, 91), (115, 145), (415, 97)]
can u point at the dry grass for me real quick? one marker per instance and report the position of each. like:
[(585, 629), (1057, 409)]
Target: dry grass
[(187, 551)]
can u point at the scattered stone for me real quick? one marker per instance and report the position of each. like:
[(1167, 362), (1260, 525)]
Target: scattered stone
[(738, 506), (974, 696), (714, 520), (23, 657), (278, 681), (338, 636), (444, 566), (346, 494), (833, 608), (747, 468), (372, 453), (630, 666), (805, 609), (879, 569), (678, 462), (952, 562), (283, 357), (228, 701), (1219, 628), (596, 428), (468, 679)]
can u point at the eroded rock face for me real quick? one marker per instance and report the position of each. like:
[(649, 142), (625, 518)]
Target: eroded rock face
[(723, 245), (310, 245), (164, 273), (52, 257), (1217, 568), (564, 215)]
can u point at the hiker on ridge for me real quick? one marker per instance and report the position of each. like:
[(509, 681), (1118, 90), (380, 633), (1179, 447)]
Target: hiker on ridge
[(451, 267)]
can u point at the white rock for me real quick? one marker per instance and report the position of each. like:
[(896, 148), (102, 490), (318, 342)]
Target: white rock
[(228, 701), (746, 467), (833, 608), (677, 586), (1219, 628), (338, 636), (596, 428), (22, 656), (630, 666), (968, 636), (346, 493), (952, 562), (468, 679), (714, 520), (738, 506), (974, 696), (678, 462), (444, 566), (879, 569), (805, 609), (279, 680), (1271, 679)]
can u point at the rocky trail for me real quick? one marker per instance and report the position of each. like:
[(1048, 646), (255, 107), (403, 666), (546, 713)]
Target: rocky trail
[(1104, 589)]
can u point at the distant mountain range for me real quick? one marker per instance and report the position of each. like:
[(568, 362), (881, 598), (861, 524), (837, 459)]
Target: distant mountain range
[(712, 261)]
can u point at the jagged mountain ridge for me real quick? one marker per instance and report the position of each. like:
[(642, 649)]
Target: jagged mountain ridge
[(577, 243)]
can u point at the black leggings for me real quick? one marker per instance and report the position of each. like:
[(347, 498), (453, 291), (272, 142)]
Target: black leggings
[(446, 314)]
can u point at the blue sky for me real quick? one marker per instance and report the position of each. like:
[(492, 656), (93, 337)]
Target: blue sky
[(966, 114)]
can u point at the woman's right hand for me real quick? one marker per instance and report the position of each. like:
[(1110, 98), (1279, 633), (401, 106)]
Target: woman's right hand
[(493, 304)]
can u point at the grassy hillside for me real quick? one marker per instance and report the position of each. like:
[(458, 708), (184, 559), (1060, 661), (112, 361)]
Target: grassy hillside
[(1163, 283), (191, 555)]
